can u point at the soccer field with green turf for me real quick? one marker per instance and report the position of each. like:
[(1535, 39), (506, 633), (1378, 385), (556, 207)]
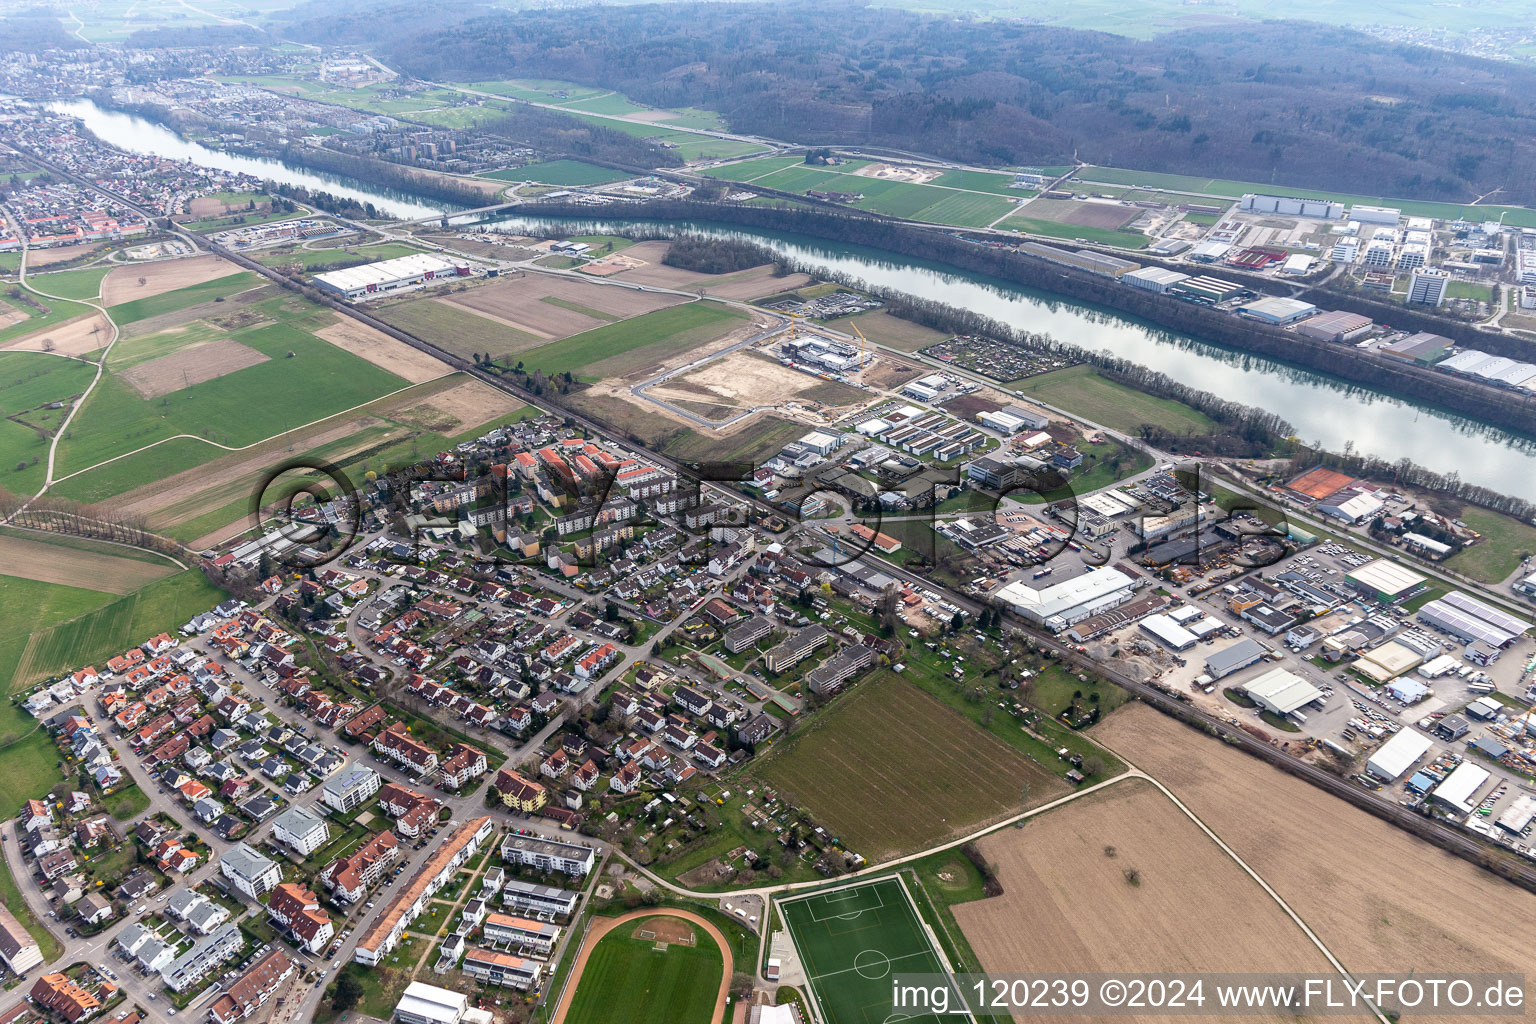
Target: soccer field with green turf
[(852, 941)]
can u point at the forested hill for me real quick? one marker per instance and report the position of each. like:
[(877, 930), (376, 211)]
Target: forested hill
[(1292, 104)]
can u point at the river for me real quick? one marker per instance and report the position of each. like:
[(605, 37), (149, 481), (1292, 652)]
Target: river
[(1323, 410), (138, 135)]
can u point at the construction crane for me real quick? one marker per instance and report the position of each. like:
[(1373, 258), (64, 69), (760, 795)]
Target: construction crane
[(863, 346)]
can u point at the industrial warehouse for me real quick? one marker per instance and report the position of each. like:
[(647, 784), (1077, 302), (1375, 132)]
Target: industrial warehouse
[(372, 280)]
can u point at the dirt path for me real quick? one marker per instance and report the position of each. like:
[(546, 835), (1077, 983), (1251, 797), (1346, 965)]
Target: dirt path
[(603, 925)]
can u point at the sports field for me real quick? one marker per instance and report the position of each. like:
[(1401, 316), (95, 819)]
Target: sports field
[(657, 970), (851, 941)]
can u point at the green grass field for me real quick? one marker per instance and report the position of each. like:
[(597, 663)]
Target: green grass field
[(71, 284), (1055, 229), (1080, 390), (1498, 554), (981, 181), (963, 198), (52, 313), (628, 981), (29, 380), (341, 256), (560, 172), (851, 941), (181, 298), (954, 777), (629, 345)]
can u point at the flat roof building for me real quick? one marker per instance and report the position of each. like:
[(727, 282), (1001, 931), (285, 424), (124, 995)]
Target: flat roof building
[(1384, 580), (427, 1004), (1060, 605), (1153, 279), (1335, 325), (548, 854), (1277, 309), (1472, 621), (373, 279)]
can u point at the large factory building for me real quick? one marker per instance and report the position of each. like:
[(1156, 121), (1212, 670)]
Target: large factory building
[(375, 279)]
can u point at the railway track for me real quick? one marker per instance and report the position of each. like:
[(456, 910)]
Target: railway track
[(1487, 855)]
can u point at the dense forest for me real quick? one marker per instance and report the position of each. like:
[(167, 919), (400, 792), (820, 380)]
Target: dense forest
[(34, 31), (1289, 103), (551, 131), (169, 37), (717, 255)]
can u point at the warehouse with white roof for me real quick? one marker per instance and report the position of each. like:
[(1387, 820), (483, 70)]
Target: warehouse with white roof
[(1168, 633), (1459, 790), (1058, 606), (388, 276), (1281, 691), (1517, 817), (1398, 754)]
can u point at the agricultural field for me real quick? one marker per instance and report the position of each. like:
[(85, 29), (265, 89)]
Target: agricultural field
[(29, 384), (981, 181), (27, 316), (620, 349), (211, 501), (882, 328), (889, 769), (59, 643), (966, 198), (128, 311), (851, 940), (456, 329), (550, 308), (750, 284), (655, 970), (67, 627), (1122, 881), (560, 172), (1083, 392), (1324, 856), (1055, 229), (746, 379), (37, 556), (315, 377)]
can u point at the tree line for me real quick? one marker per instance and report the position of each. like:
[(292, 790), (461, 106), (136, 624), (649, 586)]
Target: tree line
[(63, 516), (1509, 410)]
